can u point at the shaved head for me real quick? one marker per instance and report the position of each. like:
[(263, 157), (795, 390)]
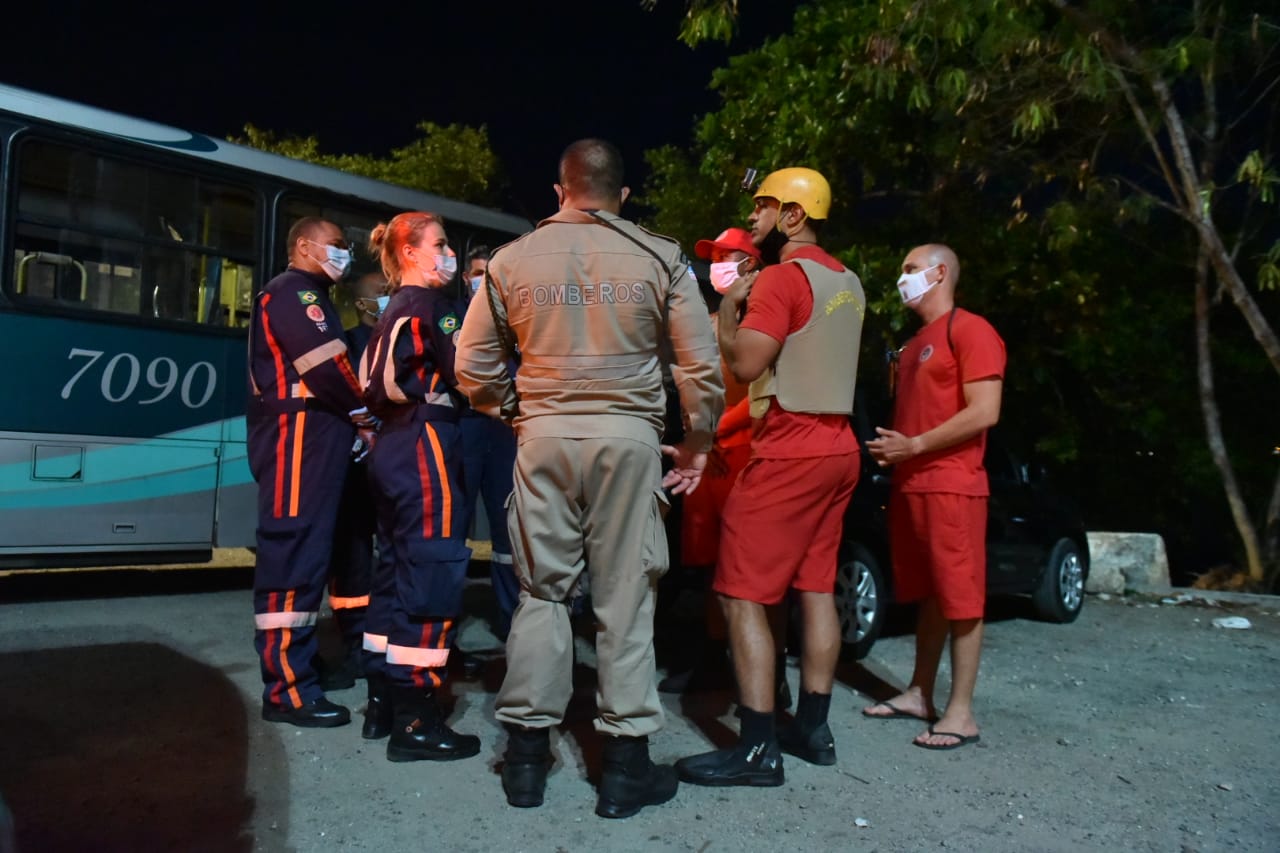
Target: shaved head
[(591, 169), (940, 253)]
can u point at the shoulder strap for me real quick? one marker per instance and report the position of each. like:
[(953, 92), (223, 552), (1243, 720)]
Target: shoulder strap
[(951, 318)]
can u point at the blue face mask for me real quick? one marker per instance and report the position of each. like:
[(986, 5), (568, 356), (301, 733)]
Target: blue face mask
[(446, 265), (337, 260), (379, 305)]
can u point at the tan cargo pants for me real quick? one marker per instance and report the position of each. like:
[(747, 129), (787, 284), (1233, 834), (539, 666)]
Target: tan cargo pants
[(593, 504)]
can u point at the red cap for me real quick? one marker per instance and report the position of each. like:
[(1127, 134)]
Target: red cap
[(731, 239)]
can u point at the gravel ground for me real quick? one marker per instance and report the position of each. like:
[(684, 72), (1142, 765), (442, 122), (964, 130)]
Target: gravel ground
[(130, 722)]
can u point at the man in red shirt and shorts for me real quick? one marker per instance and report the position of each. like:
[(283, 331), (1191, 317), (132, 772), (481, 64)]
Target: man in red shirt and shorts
[(798, 347), (950, 379)]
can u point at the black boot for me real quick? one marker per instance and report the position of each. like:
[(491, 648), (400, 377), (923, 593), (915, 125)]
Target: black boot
[(756, 761), (630, 781), (419, 732), (524, 769), (808, 736), (378, 713), (317, 714)]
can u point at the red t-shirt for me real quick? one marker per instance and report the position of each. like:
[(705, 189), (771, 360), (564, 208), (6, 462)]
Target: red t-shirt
[(931, 380), (780, 304)]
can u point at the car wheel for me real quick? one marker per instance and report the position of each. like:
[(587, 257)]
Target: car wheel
[(1061, 592), (862, 599)]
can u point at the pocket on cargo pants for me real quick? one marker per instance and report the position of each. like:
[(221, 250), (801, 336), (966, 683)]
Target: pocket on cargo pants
[(655, 556), (429, 582), (286, 557)]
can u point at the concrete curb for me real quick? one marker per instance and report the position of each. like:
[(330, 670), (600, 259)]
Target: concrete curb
[(1214, 595)]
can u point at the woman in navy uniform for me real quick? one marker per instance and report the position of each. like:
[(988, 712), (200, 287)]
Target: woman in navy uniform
[(416, 470)]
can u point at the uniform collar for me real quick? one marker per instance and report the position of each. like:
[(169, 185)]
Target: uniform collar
[(576, 216), (319, 277)]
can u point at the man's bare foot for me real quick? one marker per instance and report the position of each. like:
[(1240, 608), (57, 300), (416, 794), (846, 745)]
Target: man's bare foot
[(910, 704), (951, 731)]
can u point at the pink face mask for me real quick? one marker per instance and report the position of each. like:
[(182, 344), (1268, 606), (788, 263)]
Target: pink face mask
[(723, 275)]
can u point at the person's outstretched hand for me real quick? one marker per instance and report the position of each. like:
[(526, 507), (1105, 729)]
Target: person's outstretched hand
[(687, 473)]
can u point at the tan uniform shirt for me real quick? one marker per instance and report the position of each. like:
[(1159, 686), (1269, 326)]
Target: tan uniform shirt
[(590, 310)]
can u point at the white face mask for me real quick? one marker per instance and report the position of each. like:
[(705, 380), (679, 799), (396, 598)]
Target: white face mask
[(446, 265), (723, 275), (913, 285), (337, 261), (477, 282)]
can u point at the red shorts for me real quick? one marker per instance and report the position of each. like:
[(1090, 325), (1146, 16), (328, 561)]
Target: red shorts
[(702, 510), (939, 545), (782, 527)]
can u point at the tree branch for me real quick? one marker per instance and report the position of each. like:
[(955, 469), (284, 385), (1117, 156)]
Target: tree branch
[(1197, 207), (1141, 116)]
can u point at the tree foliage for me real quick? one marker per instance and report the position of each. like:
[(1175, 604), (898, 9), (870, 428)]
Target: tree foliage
[(450, 160), (1080, 157)]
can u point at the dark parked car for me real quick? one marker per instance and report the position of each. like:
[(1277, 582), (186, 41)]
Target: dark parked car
[(1036, 545)]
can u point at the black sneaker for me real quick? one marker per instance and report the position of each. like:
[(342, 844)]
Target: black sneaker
[(758, 766)]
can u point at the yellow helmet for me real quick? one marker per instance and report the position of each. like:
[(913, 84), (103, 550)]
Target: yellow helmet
[(801, 186)]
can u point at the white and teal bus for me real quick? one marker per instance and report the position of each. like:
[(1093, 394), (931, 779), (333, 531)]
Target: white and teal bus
[(134, 252)]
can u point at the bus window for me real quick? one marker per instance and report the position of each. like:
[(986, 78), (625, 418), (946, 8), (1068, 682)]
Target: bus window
[(105, 234), (356, 227)]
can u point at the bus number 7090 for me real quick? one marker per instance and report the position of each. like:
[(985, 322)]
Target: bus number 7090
[(123, 372)]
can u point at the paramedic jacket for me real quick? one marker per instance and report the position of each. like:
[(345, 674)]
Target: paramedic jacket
[(298, 351), (409, 360)]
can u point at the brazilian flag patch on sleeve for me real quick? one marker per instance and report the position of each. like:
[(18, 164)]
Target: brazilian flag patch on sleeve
[(448, 323), (308, 297)]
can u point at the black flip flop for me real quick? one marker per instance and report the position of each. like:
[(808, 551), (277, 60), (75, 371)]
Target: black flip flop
[(961, 740)]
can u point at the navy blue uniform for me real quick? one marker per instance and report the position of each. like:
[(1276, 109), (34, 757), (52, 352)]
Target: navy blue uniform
[(351, 568), (488, 464), (416, 474), (300, 432)]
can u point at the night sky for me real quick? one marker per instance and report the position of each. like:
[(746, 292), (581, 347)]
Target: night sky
[(361, 76)]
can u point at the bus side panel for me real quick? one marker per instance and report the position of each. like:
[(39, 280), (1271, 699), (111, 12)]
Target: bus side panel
[(111, 437), (103, 377), (67, 491), (237, 493)]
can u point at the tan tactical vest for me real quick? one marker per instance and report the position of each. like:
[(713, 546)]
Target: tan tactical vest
[(817, 366)]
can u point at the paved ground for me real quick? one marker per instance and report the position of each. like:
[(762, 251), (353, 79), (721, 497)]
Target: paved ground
[(130, 722)]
